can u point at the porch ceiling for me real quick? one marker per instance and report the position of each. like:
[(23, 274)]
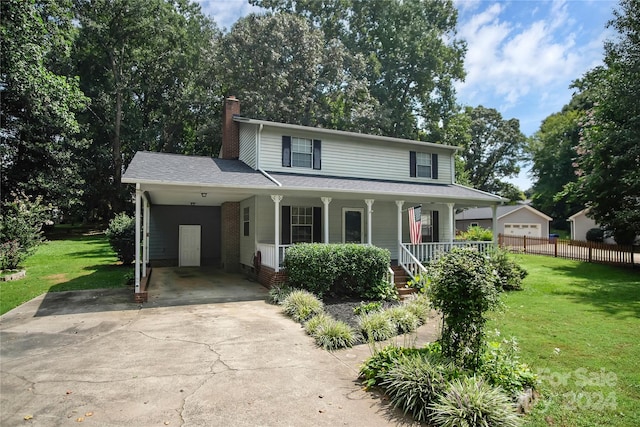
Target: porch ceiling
[(162, 194)]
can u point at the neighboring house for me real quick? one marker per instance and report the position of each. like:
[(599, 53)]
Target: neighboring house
[(277, 184), (515, 220), (580, 224)]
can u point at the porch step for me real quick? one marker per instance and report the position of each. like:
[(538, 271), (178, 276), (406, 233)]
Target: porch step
[(405, 292), (400, 279)]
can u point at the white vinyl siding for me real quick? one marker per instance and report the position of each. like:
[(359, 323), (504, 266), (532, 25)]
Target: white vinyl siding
[(354, 158), (248, 135)]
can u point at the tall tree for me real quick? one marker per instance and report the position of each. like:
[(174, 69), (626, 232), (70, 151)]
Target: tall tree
[(553, 155), (412, 54), (283, 70), (609, 149), (143, 63), (493, 149), (40, 99)]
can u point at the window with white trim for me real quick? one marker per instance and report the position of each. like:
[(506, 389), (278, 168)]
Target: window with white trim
[(427, 225), (301, 152), (245, 221), (301, 224), (423, 165)]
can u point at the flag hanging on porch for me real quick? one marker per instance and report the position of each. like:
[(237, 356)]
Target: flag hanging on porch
[(415, 224)]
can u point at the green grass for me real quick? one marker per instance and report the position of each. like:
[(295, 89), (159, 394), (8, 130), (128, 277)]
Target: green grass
[(70, 262), (578, 326)]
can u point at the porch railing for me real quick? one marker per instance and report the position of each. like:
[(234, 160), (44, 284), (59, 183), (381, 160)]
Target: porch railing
[(426, 252), (409, 262), (268, 253)]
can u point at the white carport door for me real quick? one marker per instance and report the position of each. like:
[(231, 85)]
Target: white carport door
[(189, 246), (529, 230)]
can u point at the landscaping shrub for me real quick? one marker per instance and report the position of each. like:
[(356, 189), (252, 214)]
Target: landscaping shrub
[(500, 366), (312, 325), (341, 268), (21, 222), (470, 402), (416, 382), (121, 234), (367, 307), (334, 334), (278, 293), (420, 283), (510, 273), (419, 305), (477, 234), (376, 326), (403, 320), (595, 235), (302, 305), (383, 291), (463, 287)]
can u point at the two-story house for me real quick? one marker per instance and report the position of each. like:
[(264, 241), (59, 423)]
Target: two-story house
[(277, 184)]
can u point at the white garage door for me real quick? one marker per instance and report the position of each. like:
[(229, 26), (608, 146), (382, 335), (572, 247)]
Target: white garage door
[(529, 230)]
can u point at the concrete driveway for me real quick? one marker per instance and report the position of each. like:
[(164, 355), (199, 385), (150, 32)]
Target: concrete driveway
[(96, 358)]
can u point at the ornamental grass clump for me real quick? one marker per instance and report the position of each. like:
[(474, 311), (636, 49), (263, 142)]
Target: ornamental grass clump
[(278, 293), (376, 326), (312, 325), (419, 305), (416, 382), (403, 319), (334, 334), (470, 402), (302, 305)]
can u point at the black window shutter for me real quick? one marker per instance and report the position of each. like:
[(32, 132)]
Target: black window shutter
[(436, 227), (412, 163), (286, 151), (317, 145), (317, 225), (285, 225), (434, 166)]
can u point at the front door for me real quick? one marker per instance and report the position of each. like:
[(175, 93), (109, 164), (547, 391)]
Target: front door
[(189, 246), (352, 225)]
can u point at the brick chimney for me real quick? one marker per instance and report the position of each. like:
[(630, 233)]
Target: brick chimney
[(230, 129)]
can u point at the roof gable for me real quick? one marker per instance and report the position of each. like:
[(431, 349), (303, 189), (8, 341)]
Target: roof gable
[(501, 212)]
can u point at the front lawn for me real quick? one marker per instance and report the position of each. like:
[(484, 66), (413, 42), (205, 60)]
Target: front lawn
[(65, 264), (578, 326)]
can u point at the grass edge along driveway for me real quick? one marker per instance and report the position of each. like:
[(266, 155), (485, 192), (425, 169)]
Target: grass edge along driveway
[(65, 264), (578, 327)]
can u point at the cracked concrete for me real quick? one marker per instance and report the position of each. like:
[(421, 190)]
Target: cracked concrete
[(175, 362)]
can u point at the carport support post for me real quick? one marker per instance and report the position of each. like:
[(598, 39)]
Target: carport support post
[(137, 243), (399, 204), (452, 222), (494, 222), (277, 199), (369, 203), (145, 231), (326, 201)]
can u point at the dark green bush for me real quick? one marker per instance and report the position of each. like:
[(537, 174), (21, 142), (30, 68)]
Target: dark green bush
[(470, 401), (510, 273), (477, 234), (595, 235), (345, 269), (382, 291), (464, 289), (122, 235)]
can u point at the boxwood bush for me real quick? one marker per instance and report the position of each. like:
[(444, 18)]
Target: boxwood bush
[(344, 269)]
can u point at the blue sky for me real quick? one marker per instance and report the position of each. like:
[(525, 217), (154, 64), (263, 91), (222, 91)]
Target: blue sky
[(521, 55)]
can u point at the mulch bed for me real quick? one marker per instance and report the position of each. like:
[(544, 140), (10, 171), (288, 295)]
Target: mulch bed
[(341, 308)]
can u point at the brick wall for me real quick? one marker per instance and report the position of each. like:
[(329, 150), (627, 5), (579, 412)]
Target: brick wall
[(268, 278), (230, 236), (230, 129)]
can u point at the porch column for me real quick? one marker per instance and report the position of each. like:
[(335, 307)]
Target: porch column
[(276, 200), (145, 233), (369, 203), (452, 222), (399, 204), (137, 238), (326, 201), (494, 223)]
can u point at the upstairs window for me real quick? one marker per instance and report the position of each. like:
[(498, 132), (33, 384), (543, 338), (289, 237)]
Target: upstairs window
[(423, 165), (301, 152)]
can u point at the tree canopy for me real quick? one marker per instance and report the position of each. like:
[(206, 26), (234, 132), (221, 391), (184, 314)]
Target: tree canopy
[(608, 163)]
